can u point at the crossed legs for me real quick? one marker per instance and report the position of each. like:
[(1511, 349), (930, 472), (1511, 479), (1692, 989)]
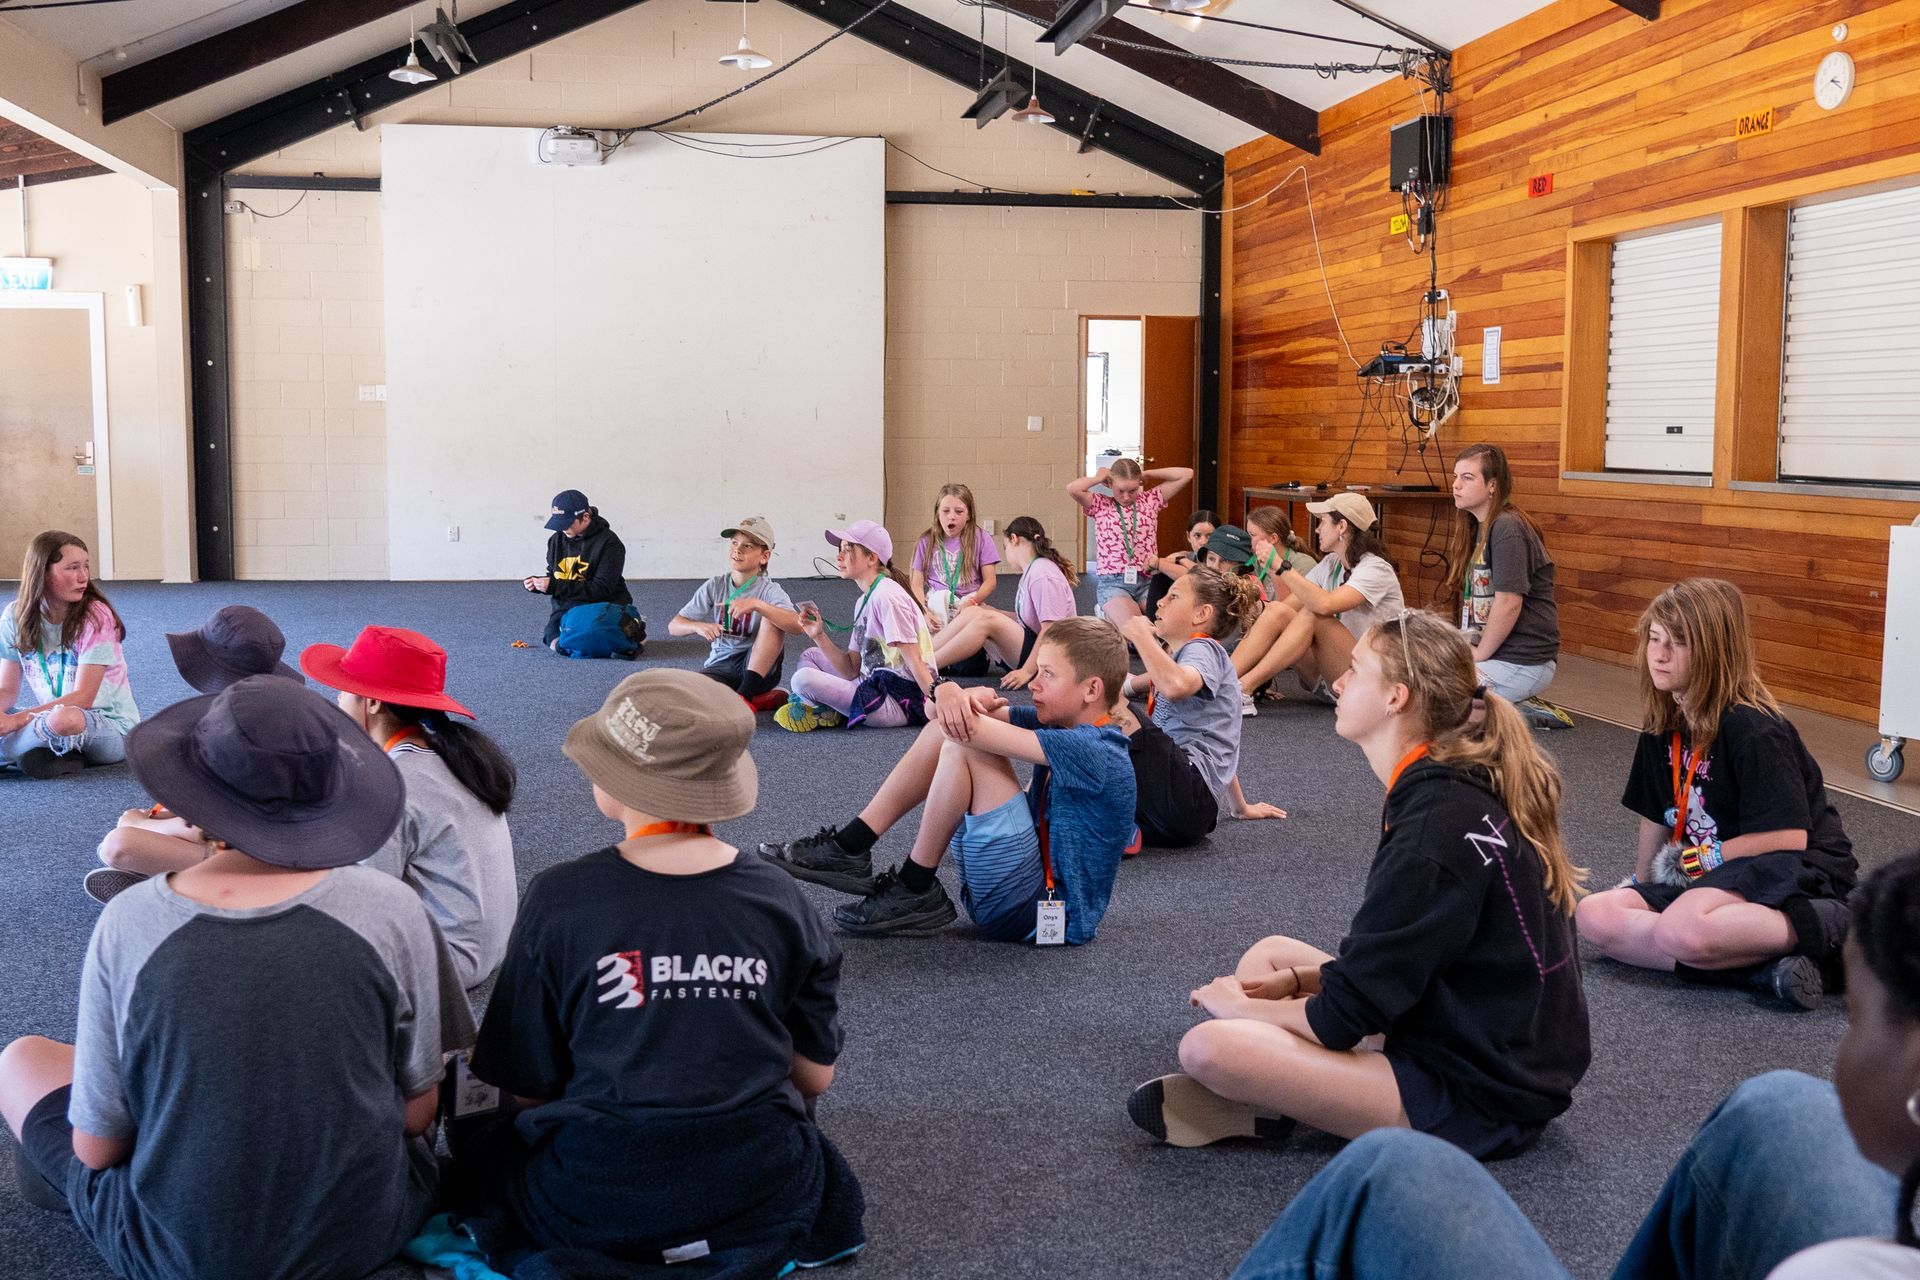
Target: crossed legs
[(1702, 929)]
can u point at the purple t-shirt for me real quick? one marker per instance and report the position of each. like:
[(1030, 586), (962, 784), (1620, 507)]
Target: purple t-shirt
[(890, 621), (1043, 595), (943, 564)]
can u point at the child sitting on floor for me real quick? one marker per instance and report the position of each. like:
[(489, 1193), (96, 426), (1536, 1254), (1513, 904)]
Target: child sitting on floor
[(1045, 595), (1037, 865), (954, 561), (1200, 527), (728, 611), (260, 1035), (1455, 1004), (1193, 696), (667, 1015), (1743, 868), (62, 639), (885, 673)]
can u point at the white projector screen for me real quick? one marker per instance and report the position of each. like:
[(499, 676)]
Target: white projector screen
[(689, 338)]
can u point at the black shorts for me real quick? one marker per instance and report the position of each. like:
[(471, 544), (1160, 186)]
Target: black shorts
[(1777, 880), (1027, 640), (46, 1138), (967, 668), (731, 671), (1173, 804), (1432, 1108)]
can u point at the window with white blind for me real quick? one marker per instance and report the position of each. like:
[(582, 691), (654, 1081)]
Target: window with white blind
[(1663, 343), (1852, 342)]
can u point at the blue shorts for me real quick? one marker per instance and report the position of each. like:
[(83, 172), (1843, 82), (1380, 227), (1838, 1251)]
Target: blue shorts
[(998, 857), (1109, 586)]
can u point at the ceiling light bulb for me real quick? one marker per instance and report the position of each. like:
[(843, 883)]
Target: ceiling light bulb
[(410, 71), (1033, 112), (746, 58)]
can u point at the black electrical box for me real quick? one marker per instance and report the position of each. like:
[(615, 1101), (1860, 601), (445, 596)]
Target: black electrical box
[(1421, 151)]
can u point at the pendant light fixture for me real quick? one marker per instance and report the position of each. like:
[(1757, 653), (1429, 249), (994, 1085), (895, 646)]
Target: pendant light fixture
[(1033, 112), (746, 57), (411, 71)]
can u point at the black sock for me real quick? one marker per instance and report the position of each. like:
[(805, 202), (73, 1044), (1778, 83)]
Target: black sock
[(755, 683), (1717, 977), (856, 837), (915, 878)]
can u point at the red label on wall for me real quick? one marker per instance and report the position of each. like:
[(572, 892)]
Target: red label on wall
[(1540, 186)]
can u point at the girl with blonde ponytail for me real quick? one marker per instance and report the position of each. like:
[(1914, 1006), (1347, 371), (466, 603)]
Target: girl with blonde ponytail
[(1044, 595), (1455, 1005)]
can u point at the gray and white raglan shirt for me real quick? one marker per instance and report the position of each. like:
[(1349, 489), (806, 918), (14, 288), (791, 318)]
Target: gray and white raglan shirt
[(260, 1061)]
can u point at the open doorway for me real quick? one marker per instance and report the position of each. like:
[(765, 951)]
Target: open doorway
[(53, 427), (1142, 401)]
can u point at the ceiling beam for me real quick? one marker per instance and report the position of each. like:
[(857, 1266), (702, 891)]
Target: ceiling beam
[(1648, 9), (1207, 83), (134, 89), (25, 154), (955, 56)]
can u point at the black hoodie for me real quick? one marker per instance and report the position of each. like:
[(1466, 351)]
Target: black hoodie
[(587, 569), (1458, 955)]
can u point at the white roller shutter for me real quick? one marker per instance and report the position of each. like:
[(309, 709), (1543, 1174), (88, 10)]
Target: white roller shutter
[(1663, 345), (1848, 408)]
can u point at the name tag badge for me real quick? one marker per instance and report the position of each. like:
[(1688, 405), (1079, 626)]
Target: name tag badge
[(1132, 576), (1050, 926), (472, 1096)]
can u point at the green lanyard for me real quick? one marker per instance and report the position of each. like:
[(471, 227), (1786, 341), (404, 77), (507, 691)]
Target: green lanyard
[(857, 609), (1335, 577), (1126, 531), (726, 608), (947, 569), (58, 686)]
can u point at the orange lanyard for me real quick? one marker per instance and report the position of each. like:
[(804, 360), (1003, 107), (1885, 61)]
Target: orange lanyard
[(397, 739), (1393, 779), (1683, 786), (671, 828), (1153, 694), (1041, 826)]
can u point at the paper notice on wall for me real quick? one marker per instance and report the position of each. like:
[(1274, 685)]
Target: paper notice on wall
[(1490, 357)]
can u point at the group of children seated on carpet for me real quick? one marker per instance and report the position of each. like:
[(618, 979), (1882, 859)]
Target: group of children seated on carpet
[(640, 1092)]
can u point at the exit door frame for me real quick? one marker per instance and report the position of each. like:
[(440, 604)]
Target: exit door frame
[(94, 304)]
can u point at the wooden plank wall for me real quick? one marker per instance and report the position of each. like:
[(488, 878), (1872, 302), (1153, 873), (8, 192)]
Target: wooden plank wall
[(1628, 115)]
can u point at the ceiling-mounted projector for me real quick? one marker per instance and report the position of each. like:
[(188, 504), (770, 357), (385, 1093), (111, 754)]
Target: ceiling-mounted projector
[(564, 144)]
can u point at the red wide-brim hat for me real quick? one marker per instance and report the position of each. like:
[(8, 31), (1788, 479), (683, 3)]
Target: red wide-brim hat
[(390, 664)]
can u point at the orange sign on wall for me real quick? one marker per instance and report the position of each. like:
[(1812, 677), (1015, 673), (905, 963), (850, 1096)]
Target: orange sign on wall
[(1753, 124)]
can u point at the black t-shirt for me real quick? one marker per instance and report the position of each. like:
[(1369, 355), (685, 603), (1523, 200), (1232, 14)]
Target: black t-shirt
[(1757, 776), (625, 991)]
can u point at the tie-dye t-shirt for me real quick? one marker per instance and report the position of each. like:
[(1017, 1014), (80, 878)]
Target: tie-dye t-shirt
[(51, 672), (889, 621)]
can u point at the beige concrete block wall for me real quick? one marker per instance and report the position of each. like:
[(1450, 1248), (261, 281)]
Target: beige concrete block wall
[(983, 304)]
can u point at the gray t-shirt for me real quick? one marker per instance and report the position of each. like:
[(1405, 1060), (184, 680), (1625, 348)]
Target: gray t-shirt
[(1206, 725), (1373, 578), (260, 1060), (709, 604), (1514, 561), (458, 856)]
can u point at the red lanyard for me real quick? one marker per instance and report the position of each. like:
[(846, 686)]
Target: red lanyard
[(1683, 787), (1042, 824), (1153, 694), (671, 828)]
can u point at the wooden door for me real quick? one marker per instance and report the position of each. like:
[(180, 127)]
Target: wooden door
[(1170, 411), (46, 416)]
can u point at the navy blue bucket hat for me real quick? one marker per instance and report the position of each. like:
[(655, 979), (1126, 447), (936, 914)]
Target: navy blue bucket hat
[(274, 770), (237, 642)]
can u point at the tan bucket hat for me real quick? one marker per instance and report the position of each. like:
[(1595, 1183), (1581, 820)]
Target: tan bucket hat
[(673, 744)]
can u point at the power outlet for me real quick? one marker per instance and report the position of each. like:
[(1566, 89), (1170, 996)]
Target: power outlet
[(988, 526), (453, 533), (374, 393)]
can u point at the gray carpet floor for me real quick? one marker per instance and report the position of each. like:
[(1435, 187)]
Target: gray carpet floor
[(981, 1095)]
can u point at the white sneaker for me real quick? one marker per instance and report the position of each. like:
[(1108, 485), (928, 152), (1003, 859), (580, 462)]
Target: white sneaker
[(1247, 709)]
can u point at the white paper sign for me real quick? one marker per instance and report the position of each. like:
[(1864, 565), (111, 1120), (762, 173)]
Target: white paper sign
[(1490, 357)]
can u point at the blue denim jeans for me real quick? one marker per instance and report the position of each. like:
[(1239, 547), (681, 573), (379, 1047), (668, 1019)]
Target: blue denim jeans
[(1771, 1172), (101, 742)]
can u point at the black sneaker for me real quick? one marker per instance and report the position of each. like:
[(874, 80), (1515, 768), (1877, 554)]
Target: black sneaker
[(1182, 1112), (1792, 980), (103, 884), (819, 859), (42, 762), (893, 909)]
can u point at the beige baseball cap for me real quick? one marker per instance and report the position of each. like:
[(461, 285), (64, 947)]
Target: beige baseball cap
[(673, 744), (755, 527), (1357, 510)]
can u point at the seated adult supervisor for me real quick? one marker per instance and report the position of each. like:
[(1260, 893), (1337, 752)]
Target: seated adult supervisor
[(586, 561)]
